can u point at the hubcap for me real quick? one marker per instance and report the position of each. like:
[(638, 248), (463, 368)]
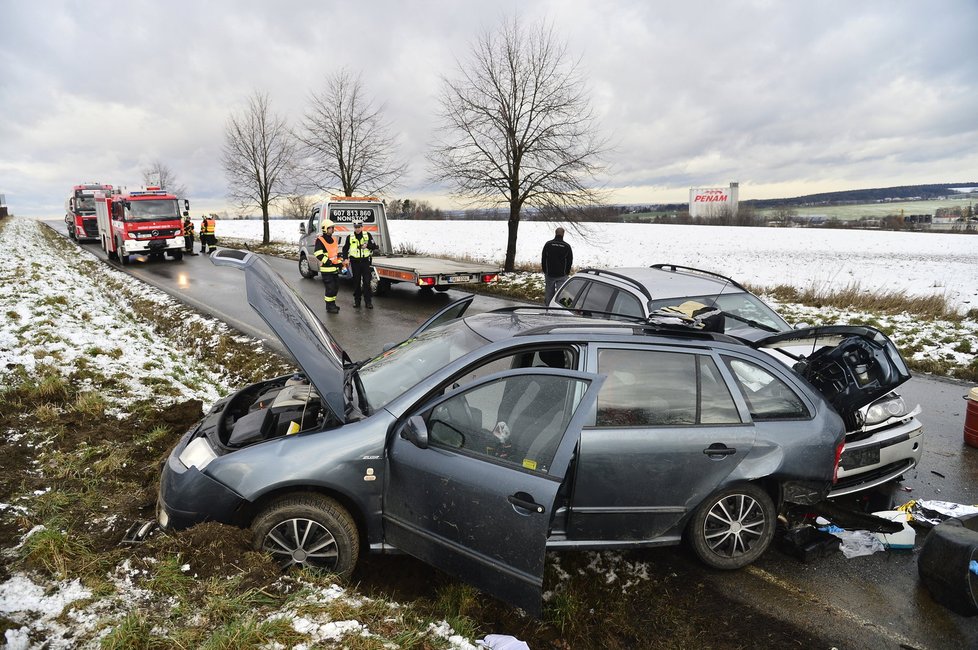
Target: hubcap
[(733, 525), (302, 542)]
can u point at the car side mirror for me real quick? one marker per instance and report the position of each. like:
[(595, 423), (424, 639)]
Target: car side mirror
[(415, 431), (186, 206), (302, 228)]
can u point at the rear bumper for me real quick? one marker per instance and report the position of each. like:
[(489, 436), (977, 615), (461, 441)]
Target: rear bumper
[(899, 447)]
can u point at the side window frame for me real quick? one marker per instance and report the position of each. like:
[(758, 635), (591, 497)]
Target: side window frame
[(777, 373)]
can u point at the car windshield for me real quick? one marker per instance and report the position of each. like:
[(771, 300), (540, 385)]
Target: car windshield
[(740, 305), (390, 374), (85, 204), (154, 210)]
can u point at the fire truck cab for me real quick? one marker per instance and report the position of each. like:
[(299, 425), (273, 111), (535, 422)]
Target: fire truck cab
[(80, 221), (143, 222)]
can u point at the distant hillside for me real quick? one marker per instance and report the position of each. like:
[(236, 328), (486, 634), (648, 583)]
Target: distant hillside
[(872, 195)]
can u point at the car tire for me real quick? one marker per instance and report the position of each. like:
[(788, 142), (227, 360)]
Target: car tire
[(733, 527), (177, 255), (305, 270), (123, 259), (381, 288), (441, 287), (310, 531)]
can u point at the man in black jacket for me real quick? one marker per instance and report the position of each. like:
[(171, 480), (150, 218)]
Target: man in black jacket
[(556, 262)]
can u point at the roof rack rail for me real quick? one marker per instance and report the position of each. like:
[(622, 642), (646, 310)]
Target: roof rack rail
[(614, 321), (678, 267), (624, 278)]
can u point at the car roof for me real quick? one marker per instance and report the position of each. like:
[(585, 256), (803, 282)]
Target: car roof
[(513, 322), (669, 282)]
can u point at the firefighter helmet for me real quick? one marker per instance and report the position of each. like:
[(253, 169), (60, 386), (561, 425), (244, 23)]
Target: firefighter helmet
[(327, 224)]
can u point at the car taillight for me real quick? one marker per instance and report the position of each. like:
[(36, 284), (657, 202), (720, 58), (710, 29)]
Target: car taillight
[(426, 282), (489, 277), (838, 457)]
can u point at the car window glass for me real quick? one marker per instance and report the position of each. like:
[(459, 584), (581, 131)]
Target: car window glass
[(744, 305), (518, 420), (627, 304), (768, 398), (545, 358), (716, 404), (646, 388), (598, 297), (569, 291)]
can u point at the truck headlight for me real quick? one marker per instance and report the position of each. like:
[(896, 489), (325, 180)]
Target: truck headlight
[(894, 407), (197, 454)]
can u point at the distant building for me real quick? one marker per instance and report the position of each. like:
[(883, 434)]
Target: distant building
[(714, 201)]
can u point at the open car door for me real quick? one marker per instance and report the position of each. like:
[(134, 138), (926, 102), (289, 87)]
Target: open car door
[(448, 313), (852, 366), (473, 494)]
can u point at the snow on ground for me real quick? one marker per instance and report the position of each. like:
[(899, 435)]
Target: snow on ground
[(919, 263)]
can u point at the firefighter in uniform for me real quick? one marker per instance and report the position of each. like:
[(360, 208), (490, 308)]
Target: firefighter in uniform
[(358, 249), (328, 253), (188, 235), (207, 227)]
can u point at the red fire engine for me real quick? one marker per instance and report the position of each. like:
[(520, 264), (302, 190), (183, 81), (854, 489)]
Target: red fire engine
[(144, 222), (80, 211)]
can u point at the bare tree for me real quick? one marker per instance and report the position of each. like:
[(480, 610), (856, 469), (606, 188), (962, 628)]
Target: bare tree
[(298, 206), (159, 173), (259, 157), (519, 128), (347, 145)]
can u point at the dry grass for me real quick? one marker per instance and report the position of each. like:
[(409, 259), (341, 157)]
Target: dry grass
[(854, 296)]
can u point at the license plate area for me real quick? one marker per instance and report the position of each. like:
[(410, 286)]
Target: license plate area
[(455, 279), (852, 459)]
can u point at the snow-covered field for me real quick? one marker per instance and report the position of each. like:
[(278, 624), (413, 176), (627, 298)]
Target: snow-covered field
[(918, 263)]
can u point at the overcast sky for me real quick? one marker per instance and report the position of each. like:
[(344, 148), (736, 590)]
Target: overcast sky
[(788, 98)]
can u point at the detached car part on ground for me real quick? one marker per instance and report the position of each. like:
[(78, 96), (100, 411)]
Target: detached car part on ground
[(480, 442), (884, 438)]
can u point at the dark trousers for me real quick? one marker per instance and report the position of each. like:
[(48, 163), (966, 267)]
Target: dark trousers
[(331, 285), (188, 243), (207, 240), (360, 268)]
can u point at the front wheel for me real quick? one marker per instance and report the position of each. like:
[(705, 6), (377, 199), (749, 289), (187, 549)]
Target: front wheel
[(305, 270), (733, 527), (123, 257), (177, 255), (308, 530)]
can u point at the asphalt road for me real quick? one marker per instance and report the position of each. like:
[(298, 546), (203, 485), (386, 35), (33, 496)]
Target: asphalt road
[(874, 601)]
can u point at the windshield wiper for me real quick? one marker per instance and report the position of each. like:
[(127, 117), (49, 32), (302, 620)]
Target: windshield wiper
[(752, 323), (351, 372)]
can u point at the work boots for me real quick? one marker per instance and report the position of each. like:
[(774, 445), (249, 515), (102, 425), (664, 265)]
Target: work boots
[(332, 308)]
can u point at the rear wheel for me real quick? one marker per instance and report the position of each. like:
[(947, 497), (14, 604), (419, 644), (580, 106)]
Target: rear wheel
[(308, 530), (733, 527), (380, 286), (305, 270)]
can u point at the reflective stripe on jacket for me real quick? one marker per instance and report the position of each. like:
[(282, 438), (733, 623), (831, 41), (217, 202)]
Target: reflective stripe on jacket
[(358, 248), (328, 254), (188, 228)]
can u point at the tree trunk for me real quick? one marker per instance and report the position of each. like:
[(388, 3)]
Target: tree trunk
[(514, 225), (264, 221)]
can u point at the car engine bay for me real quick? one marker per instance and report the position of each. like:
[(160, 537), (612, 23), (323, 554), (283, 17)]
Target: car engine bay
[(272, 409)]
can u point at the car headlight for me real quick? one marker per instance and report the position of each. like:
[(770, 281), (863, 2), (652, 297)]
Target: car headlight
[(197, 454), (893, 407)]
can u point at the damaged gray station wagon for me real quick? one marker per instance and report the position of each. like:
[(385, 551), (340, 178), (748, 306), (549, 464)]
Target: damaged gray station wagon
[(482, 441)]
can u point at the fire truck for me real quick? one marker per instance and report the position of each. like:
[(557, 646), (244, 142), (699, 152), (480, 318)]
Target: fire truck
[(80, 211), (143, 222), (422, 271)]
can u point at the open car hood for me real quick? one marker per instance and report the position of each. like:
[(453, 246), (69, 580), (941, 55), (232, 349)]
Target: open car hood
[(311, 345), (852, 366)]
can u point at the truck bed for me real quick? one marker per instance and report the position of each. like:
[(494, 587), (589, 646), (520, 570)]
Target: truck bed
[(432, 265)]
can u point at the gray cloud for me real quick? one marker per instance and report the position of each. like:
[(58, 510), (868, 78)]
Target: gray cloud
[(787, 98)]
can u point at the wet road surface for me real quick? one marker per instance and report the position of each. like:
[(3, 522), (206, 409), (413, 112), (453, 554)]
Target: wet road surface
[(875, 601)]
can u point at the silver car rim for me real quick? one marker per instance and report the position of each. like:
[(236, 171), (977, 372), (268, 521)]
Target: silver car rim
[(733, 525), (302, 542), (304, 266)]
